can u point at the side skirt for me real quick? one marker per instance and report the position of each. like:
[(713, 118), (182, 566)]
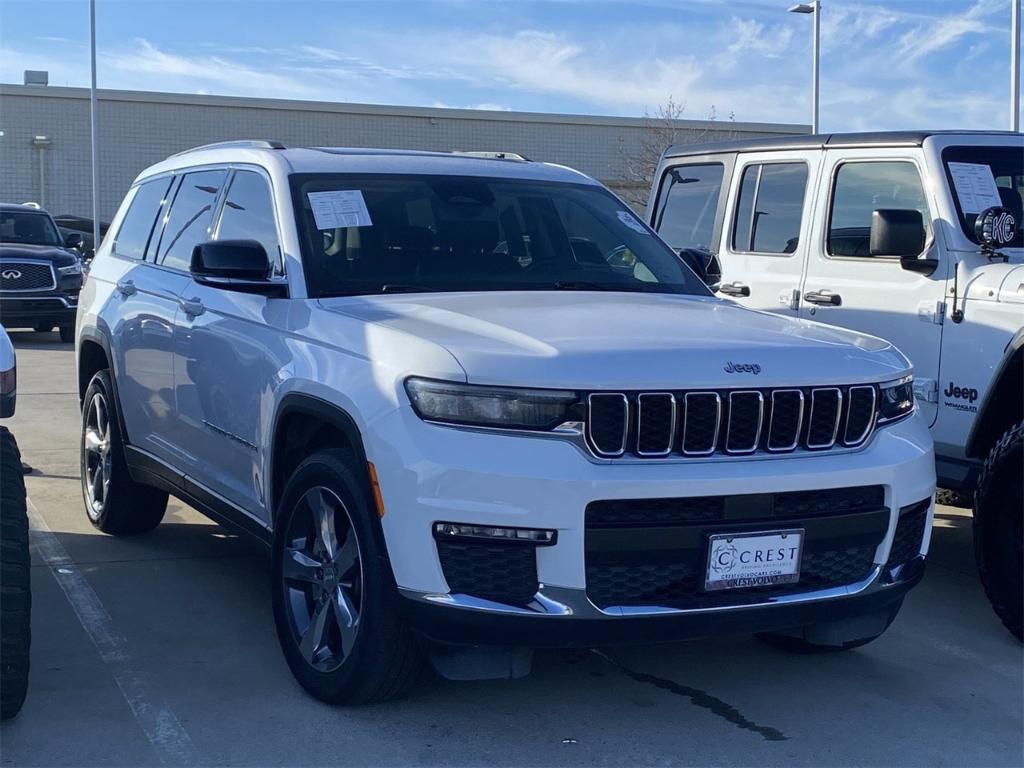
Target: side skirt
[(149, 470)]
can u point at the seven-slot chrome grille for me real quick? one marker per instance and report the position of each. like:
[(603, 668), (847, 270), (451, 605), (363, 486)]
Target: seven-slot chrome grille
[(26, 276), (729, 422)]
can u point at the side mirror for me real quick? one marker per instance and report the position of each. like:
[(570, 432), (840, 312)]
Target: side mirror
[(900, 232), (74, 241), (704, 263), (234, 265)]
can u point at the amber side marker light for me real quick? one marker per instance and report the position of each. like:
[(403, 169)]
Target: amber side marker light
[(377, 498)]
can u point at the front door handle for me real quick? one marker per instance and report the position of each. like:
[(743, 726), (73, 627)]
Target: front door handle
[(192, 307), (824, 297), (127, 288), (734, 289)]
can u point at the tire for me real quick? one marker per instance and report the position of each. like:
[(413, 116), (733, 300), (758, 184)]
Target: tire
[(834, 637), (953, 498), (42, 328), (67, 333), (364, 651), (114, 502), (998, 522), (16, 594)]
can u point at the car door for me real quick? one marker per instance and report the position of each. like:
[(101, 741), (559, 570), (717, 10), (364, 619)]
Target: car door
[(767, 225), (847, 286), (227, 357), (141, 317)]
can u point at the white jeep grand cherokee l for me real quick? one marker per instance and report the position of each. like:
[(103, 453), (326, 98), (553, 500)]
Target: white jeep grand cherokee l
[(475, 406)]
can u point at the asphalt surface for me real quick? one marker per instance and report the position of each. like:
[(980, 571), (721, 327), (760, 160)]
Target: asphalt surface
[(161, 649)]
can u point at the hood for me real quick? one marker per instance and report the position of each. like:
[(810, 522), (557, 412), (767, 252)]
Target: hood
[(591, 340), (57, 255)]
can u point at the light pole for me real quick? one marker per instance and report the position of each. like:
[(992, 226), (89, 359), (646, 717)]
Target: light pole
[(41, 142), (1015, 65), (815, 10), (92, 127)]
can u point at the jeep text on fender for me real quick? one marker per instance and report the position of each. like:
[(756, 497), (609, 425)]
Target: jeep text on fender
[(912, 236)]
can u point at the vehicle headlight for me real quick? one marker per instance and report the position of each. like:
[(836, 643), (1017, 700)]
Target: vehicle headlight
[(504, 407), (895, 399), (70, 270)]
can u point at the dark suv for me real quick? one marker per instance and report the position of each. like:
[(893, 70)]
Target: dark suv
[(40, 274)]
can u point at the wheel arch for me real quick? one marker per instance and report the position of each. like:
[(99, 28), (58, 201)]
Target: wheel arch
[(1004, 403), (303, 424)]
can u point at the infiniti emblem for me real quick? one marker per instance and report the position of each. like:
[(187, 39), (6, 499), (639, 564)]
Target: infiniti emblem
[(10, 274), (732, 367)]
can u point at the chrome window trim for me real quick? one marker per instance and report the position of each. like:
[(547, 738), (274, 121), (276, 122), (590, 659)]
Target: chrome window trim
[(760, 422), (53, 275), (799, 423), (871, 422), (625, 423), (839, 414), (672, 425), (718, 422)]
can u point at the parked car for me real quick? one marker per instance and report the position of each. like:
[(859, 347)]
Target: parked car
[(40, 272), (476, 406), (912, 236), (15, 566), (72, 225)]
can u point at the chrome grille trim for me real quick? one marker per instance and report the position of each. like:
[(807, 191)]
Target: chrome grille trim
[(799, 422), (625, 423), (718, 422), (871, 422), (640, 421), (760, 422), (839, 414)]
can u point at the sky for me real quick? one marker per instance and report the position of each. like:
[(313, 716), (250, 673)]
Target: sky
[(885, 65)]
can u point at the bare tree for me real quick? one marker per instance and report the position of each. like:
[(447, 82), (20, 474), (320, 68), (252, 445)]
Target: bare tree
[(663, 128)]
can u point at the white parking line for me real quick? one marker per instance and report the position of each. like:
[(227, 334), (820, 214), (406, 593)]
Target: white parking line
[(164, 731)]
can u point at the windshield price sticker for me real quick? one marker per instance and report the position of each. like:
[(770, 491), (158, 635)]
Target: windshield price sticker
[(975, 187), (339, 208), (630, 221)]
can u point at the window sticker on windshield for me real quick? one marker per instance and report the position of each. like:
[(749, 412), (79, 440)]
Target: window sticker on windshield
[(975, 186), (630, 221), (339, 208)]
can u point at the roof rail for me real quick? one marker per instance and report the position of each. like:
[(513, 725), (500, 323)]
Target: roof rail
[(237, 143), (492, 155)]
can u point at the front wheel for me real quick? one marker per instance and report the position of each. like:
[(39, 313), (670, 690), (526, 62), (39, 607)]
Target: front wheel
[(114, 502), (15, 575), (998, 524), (67, 333), (334, 598)]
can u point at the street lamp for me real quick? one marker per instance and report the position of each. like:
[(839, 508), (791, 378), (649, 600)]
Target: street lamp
[(41, 142), (815, 10)]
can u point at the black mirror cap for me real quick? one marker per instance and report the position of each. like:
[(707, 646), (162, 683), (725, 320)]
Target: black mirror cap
[(702, 262), (75, 241), (231, 259), (897, 232)]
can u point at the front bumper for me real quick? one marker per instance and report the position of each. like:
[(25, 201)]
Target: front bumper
[(27, 310), (431, 473)]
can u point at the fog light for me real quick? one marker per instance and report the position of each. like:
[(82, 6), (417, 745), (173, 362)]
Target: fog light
[(535, 536)]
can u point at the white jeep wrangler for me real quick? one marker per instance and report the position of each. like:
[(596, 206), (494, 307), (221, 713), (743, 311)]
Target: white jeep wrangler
[(912, 236)]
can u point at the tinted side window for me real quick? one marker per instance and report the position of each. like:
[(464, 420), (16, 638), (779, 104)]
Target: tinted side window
[(690, 201), (248, 213), (137, 226), (770, 208), (188, 223), (862, 188)]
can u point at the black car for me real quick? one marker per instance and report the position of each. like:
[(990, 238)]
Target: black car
[(40, 273)]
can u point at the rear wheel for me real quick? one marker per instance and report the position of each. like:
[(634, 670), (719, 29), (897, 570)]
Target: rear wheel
[(42, 328), (998, 524), (67, 333), (334, 598), (16, 595), (113, 501)]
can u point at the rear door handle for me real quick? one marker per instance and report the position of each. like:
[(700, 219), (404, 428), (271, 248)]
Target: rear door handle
[(192, 307), (824, 297), (734, 289), (127, 288)]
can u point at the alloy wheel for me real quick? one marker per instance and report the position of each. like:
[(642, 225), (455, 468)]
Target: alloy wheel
[(96, 444), (322, 579)]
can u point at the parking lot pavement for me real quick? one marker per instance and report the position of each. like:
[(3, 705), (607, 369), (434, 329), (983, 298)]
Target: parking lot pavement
[(161, 649)]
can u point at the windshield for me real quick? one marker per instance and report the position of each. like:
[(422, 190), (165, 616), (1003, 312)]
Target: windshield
[(971, 170), (381, 234), (28, 228)]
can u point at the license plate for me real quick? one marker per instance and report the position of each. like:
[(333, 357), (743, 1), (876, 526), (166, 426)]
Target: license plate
[(753, 559)]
